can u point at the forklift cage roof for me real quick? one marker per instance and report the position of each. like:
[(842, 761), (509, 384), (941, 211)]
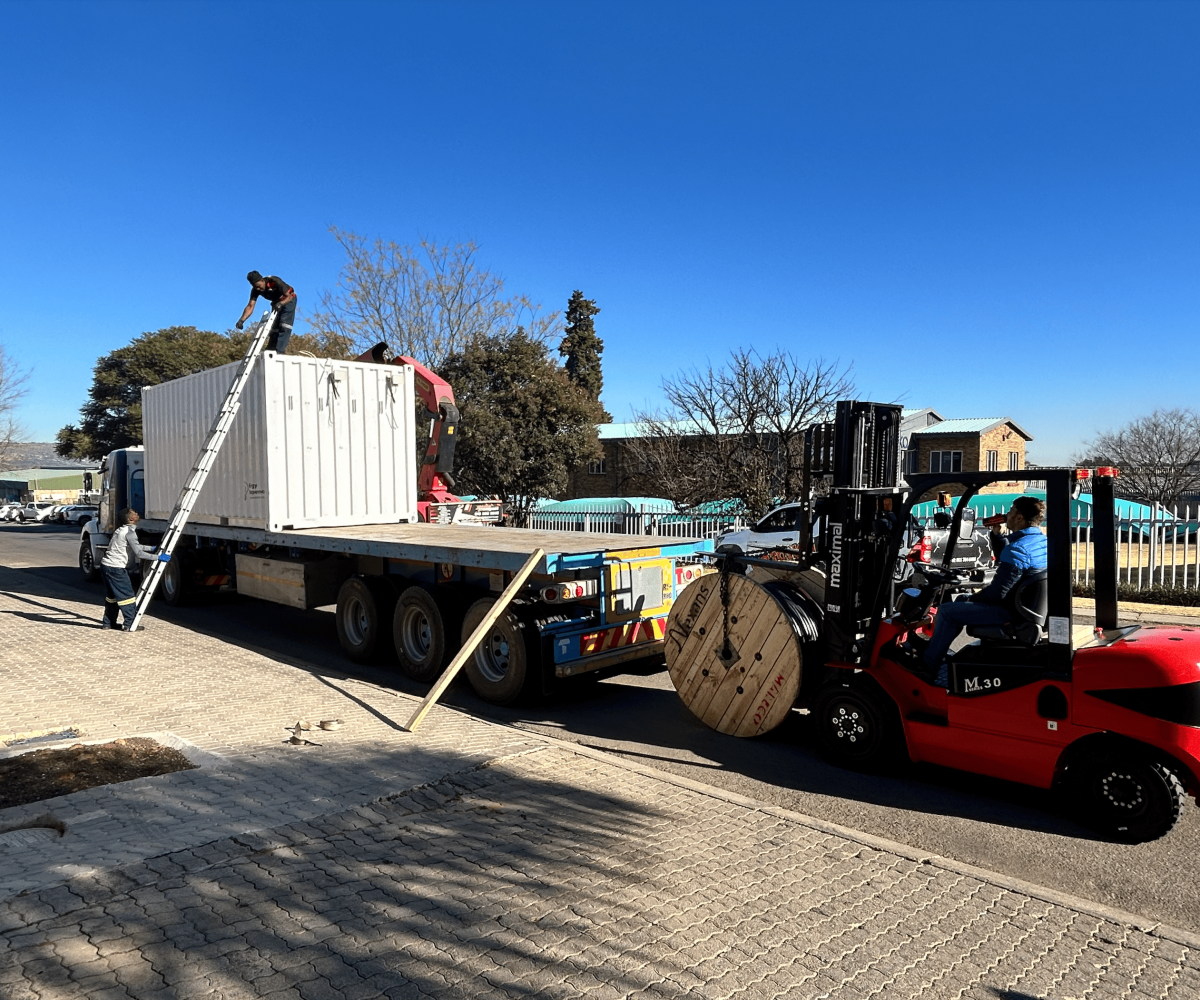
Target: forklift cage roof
[(1060, 483)]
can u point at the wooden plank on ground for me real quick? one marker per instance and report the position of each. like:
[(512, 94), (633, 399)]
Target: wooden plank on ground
[(476, 637)]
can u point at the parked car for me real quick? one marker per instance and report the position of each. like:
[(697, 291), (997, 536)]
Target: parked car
[(34, 511), (779, 529), (8, 511), (55, 512), (79, 513)]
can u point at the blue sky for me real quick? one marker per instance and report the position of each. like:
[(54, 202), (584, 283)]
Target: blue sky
[(989, 208)]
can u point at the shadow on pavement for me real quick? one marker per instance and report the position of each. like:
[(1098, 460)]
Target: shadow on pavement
[(616, 709), (456, 889)]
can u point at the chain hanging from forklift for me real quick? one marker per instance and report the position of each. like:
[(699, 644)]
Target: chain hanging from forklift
[(727, 654)]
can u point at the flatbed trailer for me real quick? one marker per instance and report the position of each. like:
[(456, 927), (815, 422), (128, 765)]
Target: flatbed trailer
[(594, 601)]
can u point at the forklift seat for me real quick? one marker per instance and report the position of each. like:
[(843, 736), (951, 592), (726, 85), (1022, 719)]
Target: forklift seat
[(1031, 605)]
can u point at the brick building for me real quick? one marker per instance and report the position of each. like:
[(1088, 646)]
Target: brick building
[(928, 442), (614, 475), (969, 444)]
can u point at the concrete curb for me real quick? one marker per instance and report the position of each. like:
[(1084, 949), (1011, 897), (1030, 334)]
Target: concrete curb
[(1099, 910)]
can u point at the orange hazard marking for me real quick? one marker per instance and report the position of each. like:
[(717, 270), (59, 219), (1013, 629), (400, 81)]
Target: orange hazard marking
[(650, 630)]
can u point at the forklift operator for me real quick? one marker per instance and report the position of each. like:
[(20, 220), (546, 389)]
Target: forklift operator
[(1022, 552)]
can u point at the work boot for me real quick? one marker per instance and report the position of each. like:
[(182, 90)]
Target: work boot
[(912, 659), (916, 640), (126, 628)]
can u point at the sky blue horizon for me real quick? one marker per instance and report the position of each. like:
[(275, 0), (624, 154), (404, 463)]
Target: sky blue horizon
[(987, 208)]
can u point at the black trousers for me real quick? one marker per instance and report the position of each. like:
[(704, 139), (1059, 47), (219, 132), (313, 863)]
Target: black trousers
[(281, 332)]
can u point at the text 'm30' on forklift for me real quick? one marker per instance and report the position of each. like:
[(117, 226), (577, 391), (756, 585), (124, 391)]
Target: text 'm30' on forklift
[(1110, 715)]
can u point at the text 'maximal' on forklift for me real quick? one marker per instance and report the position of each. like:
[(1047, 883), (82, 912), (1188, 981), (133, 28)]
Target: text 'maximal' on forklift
[(1111, 715)]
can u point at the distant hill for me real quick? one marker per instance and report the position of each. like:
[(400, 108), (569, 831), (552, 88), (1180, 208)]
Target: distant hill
[(40, 455)]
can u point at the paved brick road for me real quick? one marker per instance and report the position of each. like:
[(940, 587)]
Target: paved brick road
[(469, 860)]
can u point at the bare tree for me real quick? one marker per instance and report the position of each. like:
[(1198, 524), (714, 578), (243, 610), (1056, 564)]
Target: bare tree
[(736, 432), (13, 387), (427, 301), (1158, 455)]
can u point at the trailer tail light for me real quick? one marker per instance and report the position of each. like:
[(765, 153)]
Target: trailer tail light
[(922, 551), (1108, 471), (572, 591), (1082, 474)]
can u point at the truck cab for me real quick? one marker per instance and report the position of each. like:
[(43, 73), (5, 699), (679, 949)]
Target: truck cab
[(122, 484)]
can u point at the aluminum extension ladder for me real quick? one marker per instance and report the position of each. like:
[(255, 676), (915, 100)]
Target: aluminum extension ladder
[(204, 463)]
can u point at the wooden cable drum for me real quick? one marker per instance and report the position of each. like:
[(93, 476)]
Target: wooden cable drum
[(746, 686)]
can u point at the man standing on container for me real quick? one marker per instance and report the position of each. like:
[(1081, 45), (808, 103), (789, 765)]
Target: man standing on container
[(282, 297), (118, 590)]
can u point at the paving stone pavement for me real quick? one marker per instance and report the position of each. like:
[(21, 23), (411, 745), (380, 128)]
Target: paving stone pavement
[(469, 860)]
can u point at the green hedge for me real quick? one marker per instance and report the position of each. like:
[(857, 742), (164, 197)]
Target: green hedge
[(1188, 597)]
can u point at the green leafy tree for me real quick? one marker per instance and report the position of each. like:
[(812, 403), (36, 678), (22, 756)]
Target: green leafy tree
[(524, 424), (582, 348), (112, 416)]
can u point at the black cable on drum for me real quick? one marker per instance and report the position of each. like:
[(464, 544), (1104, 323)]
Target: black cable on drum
[(795, 608)]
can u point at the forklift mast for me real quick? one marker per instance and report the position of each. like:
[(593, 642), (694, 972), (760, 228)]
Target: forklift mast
[(859, 533), (869, 510)]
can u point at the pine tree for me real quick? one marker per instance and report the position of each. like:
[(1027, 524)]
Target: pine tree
[(582, 348)]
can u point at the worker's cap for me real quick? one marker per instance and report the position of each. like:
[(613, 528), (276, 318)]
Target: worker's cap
[(253, 276)]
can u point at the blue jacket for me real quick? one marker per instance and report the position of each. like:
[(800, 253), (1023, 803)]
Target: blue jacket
[(1020, 553)]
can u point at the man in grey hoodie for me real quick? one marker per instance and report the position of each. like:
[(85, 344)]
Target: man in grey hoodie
[(118, 590)]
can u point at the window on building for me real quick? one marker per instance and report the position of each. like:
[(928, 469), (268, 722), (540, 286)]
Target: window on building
[(596, 467), (1014, 461), (993, 461), (914, 461), (945, 461)]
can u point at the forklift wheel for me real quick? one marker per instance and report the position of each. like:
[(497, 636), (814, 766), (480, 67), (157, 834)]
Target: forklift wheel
[(857, 727), (1128, 797)]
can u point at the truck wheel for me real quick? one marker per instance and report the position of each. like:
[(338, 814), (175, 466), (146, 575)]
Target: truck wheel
[(499, 669), (1129, 797), (856, 726), (87, 564), (170, 585), (425, 633), (361, 608)]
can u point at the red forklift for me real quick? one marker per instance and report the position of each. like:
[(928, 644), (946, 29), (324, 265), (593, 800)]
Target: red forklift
[(1110, 715)]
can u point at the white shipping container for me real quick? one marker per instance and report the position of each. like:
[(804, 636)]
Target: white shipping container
[(316, 443)]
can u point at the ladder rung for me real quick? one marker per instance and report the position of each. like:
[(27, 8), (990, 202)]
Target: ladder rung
[(194, 482)]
